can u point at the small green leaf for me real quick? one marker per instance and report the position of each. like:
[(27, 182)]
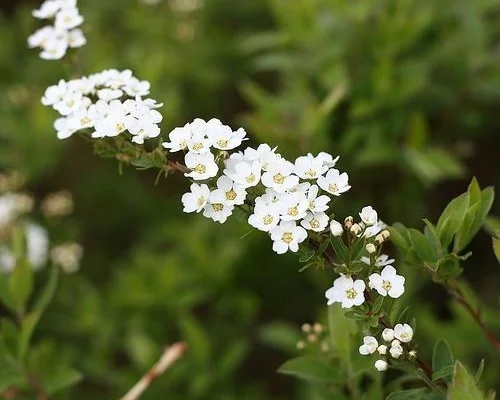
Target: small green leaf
[(340, 249), (357, 248), (61, 378), (409, 394), (496, 248), (399, 236), (464, 385), (21, 284), (306, 255), (377, 304), (424, 250), (479, 371), (310, 369), (452, 218)]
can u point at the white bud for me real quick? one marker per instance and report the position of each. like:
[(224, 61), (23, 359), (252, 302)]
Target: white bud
[(301, 345), (370, 248), (385, 234), (403, 332), (348, 222), (396, 351), (379, 239), (368, 216), (336, 228), (388, 334), (412, 354), (381, 365), (356, 229), (382, 349), (395, 342)]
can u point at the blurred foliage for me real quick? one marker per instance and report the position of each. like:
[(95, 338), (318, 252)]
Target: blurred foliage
[(407, 92)]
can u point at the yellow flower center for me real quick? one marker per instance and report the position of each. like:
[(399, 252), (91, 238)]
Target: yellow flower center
[(197, 146), (293, 212), (222, 143), (200, 169), (311, 173), (231, 195), (351, 294), (314, 223), (287, 237), (84, 121), (332, 187), (201, 201), (217, 206), (251, 178), (268, 219), (386, 285), (278, 178), (120, 127)]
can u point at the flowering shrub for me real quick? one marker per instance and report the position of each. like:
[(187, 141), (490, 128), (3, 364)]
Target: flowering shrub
[(294, 203)]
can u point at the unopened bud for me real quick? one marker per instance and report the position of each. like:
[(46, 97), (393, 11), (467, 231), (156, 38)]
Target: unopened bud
[(312, 338), (370, 248), (379, 239), (301, 345), (356, 229), (385, 234), (336, 228), (348, 222), (382, 349), (306, 328), (412, 354), (318, 328)]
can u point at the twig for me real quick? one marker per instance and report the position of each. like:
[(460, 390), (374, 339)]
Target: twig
[(475, 313), (169, 357)]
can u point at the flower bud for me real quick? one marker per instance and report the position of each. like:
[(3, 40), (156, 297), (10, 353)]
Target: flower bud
[(348, 222), (395, 342), (379, 239), (318, 328), (388, 334), (301, 345), (396, 351), (312, 338), (382, 349), (336, 228), (381, 365), (306, 328), (412, 354), (385, 234), (370, 248), (356, 229)]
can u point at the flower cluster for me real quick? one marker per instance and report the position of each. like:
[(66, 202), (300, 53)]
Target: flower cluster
[(285, 199), (315, 336), (399, 337), (109, 103), (54, 40), (350, 291)]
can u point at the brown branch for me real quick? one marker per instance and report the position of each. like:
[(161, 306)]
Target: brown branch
[(169, 357), (475, 313), (177, 166)]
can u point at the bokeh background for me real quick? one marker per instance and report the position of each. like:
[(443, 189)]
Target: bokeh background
[(407, 92)]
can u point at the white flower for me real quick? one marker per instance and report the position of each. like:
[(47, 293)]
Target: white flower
[(316, 222), (222, 137), (70, 103), (142, 127), (269, 198), (235, 194), (328, 160), (55, 93), (264, 217), (287, 236), (47, 10), (395, 342), (67, 256), (245, 173), (388, 335), (68, 19), (387, 282), (218, 208), (113, 123), (368, 216), (108, 95), (309, 167), (64, 128), (179, 139), (135, 87), (369, 346), (336, 228), (202, 166), (76, 38), (403, 333), (334, 182), (196, 199), (279, 176), (382, 349), (292, 206), (396, 351), (380, 261), (54, 48), (198, 143), (264, 154), (372, 230), (317, 203), (346, 291), (381, 365)]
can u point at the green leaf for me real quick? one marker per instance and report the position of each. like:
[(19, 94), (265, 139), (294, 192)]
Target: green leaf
[(61, 378), (357, 248), (479, 371), (444, 373), (377, 304), (340, 249), (479, 206), (341, 329), (423, 248), (5, 296), (310, 369), (409, 394), (306, 255), (400, 236), (452, 218), (10, 373), (21, 284), (280, 335), (464, 385)]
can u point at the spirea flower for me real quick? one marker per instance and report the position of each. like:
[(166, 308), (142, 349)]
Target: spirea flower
[(381, 365), (403, 332), (369, 346), (387, 282), (101, 104), (388, 334), (396, 351), (287, 236), (336, 228), (380, 261), (196, 199), (334, 182), (369, 216), (56, 39), (347, 292)]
